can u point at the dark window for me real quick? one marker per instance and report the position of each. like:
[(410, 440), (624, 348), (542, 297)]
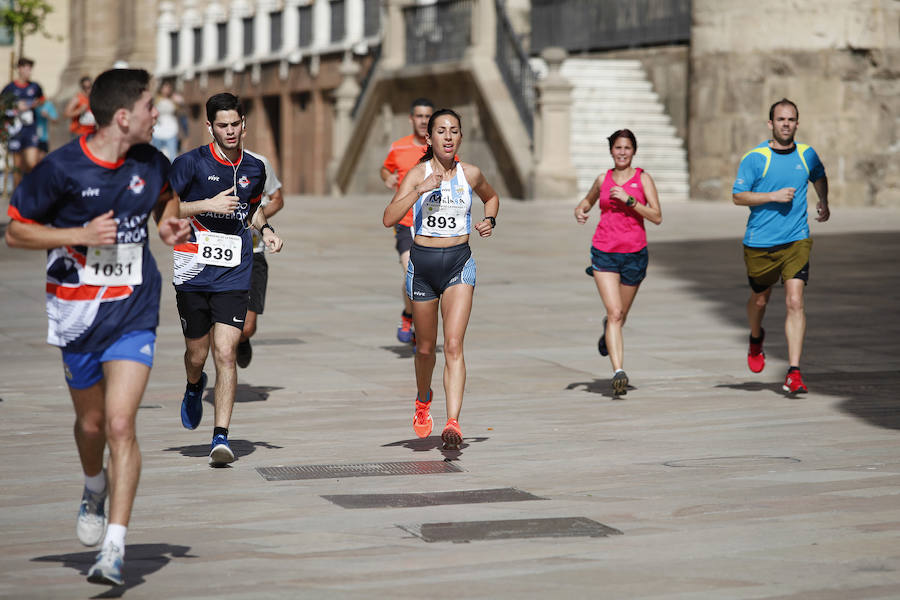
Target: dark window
[(222, 35), (371, 17), (275, 27), (305, 18), (248, 36), (198, 45), (173, 47), (337, 20)]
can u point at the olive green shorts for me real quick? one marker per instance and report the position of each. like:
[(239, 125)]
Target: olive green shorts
[(765, 266)]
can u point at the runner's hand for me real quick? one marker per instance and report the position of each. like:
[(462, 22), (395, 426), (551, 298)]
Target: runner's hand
[(619, 194), (824, 213), (581, 215), (223, 203), (100, 231), (784, 195), (174, 231), (391, 182), (272, 241), (431, 182), (484, 228)]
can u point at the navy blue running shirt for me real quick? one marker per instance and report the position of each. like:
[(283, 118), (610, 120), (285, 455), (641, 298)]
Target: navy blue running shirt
[(69, 188), (201, 174)]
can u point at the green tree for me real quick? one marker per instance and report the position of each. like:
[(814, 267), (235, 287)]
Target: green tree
[(24, 18)]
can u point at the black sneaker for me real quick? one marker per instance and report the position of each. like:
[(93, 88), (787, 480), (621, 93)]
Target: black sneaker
[(244, 354), (601, 343), (620, 384)]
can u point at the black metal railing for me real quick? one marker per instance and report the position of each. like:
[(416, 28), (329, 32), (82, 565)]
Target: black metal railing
[(585, 25), (513, 64), (437, 32)]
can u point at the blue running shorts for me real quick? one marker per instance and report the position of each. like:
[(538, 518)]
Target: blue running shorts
[(433, 270), (631, 266), (84, 369)]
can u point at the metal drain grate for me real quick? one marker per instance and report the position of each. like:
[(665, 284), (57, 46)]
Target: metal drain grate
[(468, 531), (430, 498), (422, 467)]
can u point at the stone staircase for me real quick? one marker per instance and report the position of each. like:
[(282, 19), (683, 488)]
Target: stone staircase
[(611, 94)]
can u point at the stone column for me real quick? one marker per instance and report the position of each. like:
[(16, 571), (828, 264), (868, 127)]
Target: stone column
[(394, 49), (291, 32), (321, 17), (165, 24), (344, 98), (353, 18), (554, 175), (239, 10), (190, 18), (212, 16), (261, 27), (484, 30)]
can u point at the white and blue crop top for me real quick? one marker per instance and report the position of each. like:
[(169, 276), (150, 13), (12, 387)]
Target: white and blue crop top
[(444, 211)]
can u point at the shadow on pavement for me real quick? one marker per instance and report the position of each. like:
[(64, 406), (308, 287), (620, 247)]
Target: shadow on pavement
[(239, 447), (433, 442), (598, 386), (245, 393), (407, 350), (141, 560), (853, 316)]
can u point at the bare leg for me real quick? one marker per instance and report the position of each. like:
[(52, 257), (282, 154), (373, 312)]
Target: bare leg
[(404, 262), (617, 299), (456, 307), (90, 426), (795, 321), (224, 355), (249, 326), (756, 310), (425, 317), (196, 351)]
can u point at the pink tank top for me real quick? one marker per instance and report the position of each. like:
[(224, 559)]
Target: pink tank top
[(620, 228)]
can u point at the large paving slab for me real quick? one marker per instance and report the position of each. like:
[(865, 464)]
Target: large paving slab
[(721, 486)]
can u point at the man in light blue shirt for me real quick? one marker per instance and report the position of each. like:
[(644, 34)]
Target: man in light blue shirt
[(772, 180)]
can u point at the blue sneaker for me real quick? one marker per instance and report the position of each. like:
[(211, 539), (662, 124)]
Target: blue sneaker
[(192, 406), (108, 568), (91, 523), (220, 452), (405, 332)]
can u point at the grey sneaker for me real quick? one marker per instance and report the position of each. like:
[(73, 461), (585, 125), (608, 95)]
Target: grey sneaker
[(620, 384), (108, 568), (91, 523)]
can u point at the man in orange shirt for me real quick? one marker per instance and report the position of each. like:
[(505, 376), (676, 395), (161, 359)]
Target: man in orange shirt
[(403, 156), (78, 110)]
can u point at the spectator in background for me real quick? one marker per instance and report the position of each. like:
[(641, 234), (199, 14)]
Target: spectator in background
[(45, 115), (26, 96), (78, 110), (165, 134)]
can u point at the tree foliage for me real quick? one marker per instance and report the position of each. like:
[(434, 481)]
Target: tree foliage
[(25, 18)]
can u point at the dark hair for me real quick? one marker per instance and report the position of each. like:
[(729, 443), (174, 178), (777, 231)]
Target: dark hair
[(223, 101), (115, 89), (420, 102), (83, 79), (429, 153), (782, 102), (25, 62), (625, 133)]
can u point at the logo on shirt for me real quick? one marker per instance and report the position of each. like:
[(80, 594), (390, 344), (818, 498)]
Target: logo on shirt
[(634, 184), (798, 167), (90, 192), (136, 184), (212, 178), (243, 181)]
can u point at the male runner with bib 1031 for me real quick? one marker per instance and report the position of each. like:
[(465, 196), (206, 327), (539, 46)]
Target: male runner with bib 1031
[(220, 187), (87, 204)]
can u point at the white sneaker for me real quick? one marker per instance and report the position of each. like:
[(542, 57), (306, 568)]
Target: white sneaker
[(108, 568), (91, 523)]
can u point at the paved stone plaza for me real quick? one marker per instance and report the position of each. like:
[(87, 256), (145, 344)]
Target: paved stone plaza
[(704, 482)]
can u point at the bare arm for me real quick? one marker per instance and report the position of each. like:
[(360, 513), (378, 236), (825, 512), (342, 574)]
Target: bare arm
[(784, 195), (650, 211), (100, 231), (73, 110), (407, 193), (587, 203), (821, 186), (389, 179), (276, 203), (272, 241), (490, 199), (223, 203)]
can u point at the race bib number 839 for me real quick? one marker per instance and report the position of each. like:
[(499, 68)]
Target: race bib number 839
[(219, 249)]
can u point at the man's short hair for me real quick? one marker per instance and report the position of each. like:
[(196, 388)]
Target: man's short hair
[(223, 101), (783, 102), (420, 102), (25, 62), (115, 89)]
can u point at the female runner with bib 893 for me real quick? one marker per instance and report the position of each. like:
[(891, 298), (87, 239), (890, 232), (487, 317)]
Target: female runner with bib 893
[(627, 196), (441, 267)]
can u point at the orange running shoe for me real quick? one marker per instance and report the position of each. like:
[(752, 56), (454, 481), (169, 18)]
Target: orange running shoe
[(452, 434), (422, 421)]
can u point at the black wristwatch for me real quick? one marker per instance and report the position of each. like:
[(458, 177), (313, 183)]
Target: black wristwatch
[(492, 220), (266, 226), (631, 201)]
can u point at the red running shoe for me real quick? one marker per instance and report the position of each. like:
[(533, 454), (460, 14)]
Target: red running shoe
[(756, 358), (452, 434), (422, 421), (793, 383)]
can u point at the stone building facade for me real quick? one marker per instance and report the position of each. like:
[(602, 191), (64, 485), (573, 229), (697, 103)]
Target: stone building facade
[(838, 61)]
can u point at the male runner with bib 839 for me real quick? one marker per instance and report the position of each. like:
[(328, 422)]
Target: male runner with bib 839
[(87, 204), (220, 186)]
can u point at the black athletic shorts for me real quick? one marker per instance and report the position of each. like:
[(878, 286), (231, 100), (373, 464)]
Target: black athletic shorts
[(433, 270), (199, 310), (258, 281), (404, 236)]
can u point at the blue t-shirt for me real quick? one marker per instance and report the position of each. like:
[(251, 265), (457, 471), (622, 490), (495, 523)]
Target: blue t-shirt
[(68, 188), (766, 170), (201, 174), (43, 116)]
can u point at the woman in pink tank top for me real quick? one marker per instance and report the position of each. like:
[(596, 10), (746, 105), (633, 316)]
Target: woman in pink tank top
[(627, 196)]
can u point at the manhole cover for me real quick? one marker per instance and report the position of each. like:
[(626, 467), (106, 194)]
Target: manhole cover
[(422, 467), (724, 462), (430, 498), (468, 531)]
